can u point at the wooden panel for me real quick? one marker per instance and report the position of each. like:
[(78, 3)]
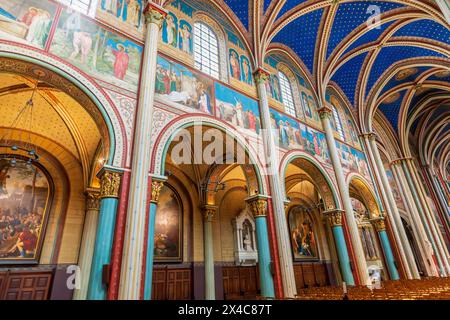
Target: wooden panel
[(298, 274), (320, 274), (179, 284), (159, 284), (240, 283), (3, 276), (231, 284), (308, 275), (27, 286)]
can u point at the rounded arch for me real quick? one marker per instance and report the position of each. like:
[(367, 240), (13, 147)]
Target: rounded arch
[(360, 189), (19, 59), (171, 130), (322, 181)]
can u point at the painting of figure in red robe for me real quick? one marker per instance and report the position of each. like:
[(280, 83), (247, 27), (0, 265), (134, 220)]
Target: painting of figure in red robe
[(24, 203), (168, 227)]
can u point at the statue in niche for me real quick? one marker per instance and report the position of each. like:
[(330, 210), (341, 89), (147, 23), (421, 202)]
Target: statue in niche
[(245, 251)]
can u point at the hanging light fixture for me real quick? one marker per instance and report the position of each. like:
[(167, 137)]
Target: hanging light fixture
[(24, 114)]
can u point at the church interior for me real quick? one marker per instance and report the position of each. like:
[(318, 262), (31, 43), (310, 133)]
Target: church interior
[(224, 149)]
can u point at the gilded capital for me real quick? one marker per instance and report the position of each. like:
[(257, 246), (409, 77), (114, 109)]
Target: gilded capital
[(258, 206), (334, 217), (92, 200), (325, 113), (154, 15), (379, 225), (109, 184), (209, 212), (261, 76), (156, 190)]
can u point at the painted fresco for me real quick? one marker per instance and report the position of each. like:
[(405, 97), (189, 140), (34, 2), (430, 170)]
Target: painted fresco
[(24, 202), (287, 132), (177, 33), (97, 51), (168, 227), (239, 64), (178, 86), (27, 21), (316, 145), (126, 15), (310, 107), (303, 239), (353, 160), (395, 191), (237, 109)]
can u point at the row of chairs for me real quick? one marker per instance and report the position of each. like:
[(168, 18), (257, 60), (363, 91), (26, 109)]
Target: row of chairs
[(423, 289)]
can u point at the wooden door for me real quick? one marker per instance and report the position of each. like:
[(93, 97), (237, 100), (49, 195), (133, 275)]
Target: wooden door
[(27, 286), (298, 275), (172, 284)]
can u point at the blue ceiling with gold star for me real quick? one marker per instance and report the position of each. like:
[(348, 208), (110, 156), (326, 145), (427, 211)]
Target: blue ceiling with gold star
[(302, 34)]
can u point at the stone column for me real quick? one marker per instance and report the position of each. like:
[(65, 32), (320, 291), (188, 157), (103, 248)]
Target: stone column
[(283, 238), (209, 212), (416, 222), (258, 205), (380, 227), (335, 222), (420, 209), (439, 241), (133, 248), (88, 242), (405, 247), (157, 185), (109, 199), (326, 115)]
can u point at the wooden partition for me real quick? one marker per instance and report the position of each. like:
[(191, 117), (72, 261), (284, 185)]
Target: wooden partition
[(172, 284), (240, 283), (308, 275), (25, 285)]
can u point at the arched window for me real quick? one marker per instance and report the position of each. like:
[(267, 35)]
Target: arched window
[(84, 6), (286, 94), (206, 51), (338, 123)]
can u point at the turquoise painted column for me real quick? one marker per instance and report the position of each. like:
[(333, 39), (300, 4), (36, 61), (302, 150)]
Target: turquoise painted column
[(380, 226), (258, 205), (335, 220), (156, 189), (109, 194)]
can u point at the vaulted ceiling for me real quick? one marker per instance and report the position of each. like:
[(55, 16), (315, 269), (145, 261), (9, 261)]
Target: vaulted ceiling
[(365, 47)]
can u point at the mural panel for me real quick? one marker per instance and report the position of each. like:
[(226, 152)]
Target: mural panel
[(24, 204), (287, 132), (178, 86), (303, 238), (316, 145), (27, 21), (97, 51), (125, 15), (168, 227), (237, 109)]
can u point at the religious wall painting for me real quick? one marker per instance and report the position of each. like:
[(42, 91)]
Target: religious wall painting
[(287, 132), (103, 54), (348, 159), (25, 197), (180, 87), (275, 88), (395, 192), (246, 68), (169, 32), (238, 110), (27, 21), (168, 227), (235, 66), (302, 234), (361, 160), (316, 145), (126, 15), (185, 37)]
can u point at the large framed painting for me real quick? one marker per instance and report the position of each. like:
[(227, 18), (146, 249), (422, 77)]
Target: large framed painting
[(303, 237), (25, 199), (169, 227)]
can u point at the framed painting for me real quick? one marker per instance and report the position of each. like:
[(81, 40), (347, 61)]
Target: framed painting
[(302, 234), (26, 192), (169, 227)]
